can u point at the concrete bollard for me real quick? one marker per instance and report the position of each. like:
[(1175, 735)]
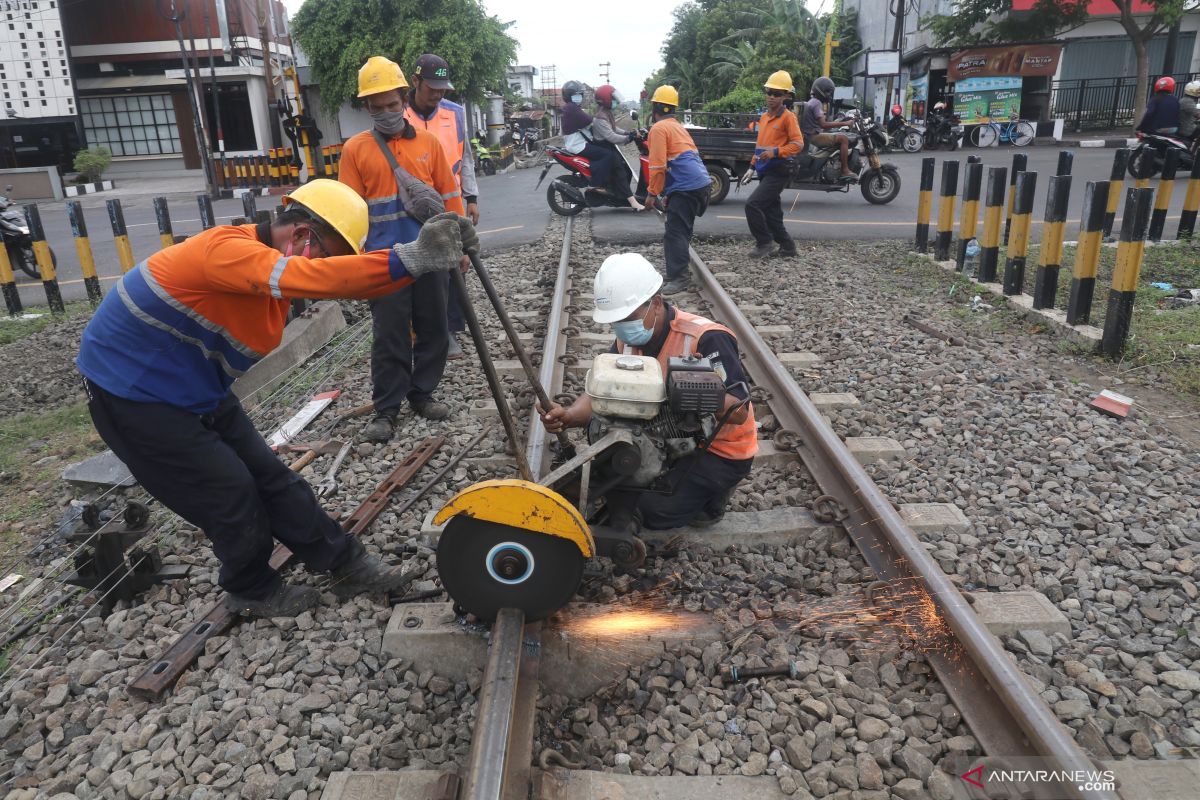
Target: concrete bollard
[(1066, 160), (162, 215), (45, 259), (1045, 281), (83, 249), (116, 218), (8, 285), (1018, 246), (1162, 199), (945, 224), (969, 217), (989, 250), (1191, 203), (1130, 250), (1087, 252), (1019, 164), (1116, 186), (207, 218), (925, 203)]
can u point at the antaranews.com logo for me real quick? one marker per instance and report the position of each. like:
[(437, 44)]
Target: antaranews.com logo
[(1026, 777)]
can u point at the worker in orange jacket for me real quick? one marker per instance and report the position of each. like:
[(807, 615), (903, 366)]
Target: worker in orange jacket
[(779, 139), (161, 353), (397, 198)]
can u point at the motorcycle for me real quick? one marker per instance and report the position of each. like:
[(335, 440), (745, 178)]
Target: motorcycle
[(568, 195), (1147, 158), (943, 131), (17, 240), (483, 158), (819, 168), (904, 134)]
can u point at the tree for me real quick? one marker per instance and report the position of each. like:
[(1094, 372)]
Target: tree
[(977, 21), (732, 60), (1166, 12), (339, 35)]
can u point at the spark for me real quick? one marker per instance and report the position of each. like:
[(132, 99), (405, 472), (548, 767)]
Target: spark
[(627, 622)]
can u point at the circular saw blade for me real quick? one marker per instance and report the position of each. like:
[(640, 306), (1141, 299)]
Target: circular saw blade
[(486, 566)]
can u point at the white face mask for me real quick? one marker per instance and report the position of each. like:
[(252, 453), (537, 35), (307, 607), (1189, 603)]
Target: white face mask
[(576, 98)]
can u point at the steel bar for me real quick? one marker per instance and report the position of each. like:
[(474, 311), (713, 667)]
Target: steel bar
[(556, 344), (441, 473), (1004, 713), (489, 370), (490, 740)]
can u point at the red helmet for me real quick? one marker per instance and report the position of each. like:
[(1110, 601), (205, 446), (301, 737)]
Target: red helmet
[(897, 109), (1164, 84), (604, 95)]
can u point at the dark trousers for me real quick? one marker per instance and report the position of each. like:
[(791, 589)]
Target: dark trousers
[(764, 211), (400, 368), (701, 483), (216, 471), (600, 159), (455, 320), (682, 210)]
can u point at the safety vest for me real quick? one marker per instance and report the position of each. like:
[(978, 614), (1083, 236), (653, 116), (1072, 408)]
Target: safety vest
[(734, 442), (449, 125)]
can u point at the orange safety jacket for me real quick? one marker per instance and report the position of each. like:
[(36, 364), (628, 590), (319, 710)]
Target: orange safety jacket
[(449, 128), (734, 442)]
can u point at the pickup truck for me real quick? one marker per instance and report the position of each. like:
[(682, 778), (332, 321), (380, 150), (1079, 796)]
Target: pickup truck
[(726, 153)]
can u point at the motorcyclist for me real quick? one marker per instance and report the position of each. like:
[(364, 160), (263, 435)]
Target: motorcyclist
[(578, 138), (1187, 110), (1162, 112), (813, 124), (896, 123), (605, 130)]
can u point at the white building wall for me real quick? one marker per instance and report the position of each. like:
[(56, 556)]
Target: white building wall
[(35, 79)]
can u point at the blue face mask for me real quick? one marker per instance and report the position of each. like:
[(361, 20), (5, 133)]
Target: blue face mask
[(577, 99), (633, 332)]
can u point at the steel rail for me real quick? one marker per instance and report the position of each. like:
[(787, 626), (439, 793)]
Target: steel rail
[(490, 745), (1005, 714), (551, 375)]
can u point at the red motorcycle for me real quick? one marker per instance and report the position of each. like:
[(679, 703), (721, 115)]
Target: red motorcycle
[(568, 195)]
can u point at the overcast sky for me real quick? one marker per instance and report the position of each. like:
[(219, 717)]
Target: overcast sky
[(576, 36)]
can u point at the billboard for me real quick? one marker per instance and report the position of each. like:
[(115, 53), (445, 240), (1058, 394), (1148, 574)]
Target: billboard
[(979, 100), (917, 96), (1027, 60)]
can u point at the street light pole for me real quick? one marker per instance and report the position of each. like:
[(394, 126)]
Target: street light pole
[(205, 162)]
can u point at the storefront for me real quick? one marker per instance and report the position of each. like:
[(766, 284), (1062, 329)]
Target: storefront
[(997, 84)]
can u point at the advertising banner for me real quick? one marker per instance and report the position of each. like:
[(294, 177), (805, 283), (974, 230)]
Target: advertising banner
[(1026, 60), (917, 97), (979, 100)]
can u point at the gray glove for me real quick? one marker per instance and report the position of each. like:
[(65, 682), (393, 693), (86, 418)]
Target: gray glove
[(466, 232), (421, 201), (438, 247)]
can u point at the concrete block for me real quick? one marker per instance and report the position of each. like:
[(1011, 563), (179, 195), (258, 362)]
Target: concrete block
[(754, 308), (1006, 613), (727, 277), (407, 784), (826, 401), (508, 367), (591, 785), (869, 449), (526, 316), (1156, 779), (104, 470), (1023, 304), (591, 337), (771, 456), (798, 360), (934, 518), (302, 337), (584, 649), (769, 331)]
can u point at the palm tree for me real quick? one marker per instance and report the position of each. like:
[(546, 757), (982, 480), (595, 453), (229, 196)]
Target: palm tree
[(731, 60), (686, 78)]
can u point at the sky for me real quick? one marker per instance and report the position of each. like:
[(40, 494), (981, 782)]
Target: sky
[(578, 35)]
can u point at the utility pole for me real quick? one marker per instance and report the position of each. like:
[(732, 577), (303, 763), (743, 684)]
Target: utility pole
[(205, 162), (897, 40), (606, 71), (216, 98), (266, 40)]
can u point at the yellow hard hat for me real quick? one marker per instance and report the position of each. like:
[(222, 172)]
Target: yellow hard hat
[(380, 74), (667, 95), (337, 205), (780, 80)]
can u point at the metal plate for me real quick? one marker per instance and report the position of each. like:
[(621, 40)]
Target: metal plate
[(467, 554)]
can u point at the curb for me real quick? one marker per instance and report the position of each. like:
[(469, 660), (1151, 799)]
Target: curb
[(1110, 144), (77, 190)]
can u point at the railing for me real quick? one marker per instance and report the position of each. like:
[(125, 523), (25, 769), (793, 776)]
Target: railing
[(1100, 103)]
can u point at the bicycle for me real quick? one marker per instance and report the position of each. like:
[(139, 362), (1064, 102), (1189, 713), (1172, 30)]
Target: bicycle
[(1017, 132)]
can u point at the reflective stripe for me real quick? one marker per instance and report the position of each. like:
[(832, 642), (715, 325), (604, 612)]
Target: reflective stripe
[(276, 274), (450, 195), (387, 217), (196, 317), (378, 201), (142, 316)]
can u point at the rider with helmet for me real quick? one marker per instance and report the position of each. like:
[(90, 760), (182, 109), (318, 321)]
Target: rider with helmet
[(605, 131), (1187, 110), (578, 138), (778, 140), (1162, 111), (896, 123), (813, 124)]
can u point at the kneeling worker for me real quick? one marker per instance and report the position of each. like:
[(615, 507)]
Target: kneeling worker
[(628, 297), (161, 353)]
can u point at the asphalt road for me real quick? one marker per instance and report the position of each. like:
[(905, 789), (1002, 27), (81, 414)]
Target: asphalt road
[(514, 213)]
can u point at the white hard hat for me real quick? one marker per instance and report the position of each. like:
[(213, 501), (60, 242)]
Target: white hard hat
[(624, 282), (1193, 88)]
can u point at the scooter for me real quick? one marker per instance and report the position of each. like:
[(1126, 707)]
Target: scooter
[(902, 133), (483, 158), (17, 240), (568, 195), (1147, 158), (820, 168), (943, 131)]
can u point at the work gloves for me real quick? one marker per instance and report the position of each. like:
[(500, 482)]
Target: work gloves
[(440, 245)]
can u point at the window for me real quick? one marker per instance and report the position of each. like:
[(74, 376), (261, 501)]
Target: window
[(141, 125)]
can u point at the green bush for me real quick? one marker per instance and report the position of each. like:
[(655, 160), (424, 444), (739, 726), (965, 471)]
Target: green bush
[(738, 101), (91, 163)]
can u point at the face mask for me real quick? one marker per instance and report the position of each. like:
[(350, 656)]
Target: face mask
[(633, 332), (576, 98), (389, 123), (304, 254)]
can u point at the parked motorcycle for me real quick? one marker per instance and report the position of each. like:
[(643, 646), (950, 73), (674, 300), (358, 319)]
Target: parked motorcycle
[(902, 133), (942, 131), (1147, 158), (820, 168), (17, 240), (568, 195)]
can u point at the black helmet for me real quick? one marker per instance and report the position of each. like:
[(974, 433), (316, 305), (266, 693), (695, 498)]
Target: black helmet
[(571, 88), (822, 89)]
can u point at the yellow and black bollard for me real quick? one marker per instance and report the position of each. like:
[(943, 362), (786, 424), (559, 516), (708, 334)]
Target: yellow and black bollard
[(207, 218), (1191, 203), (969, 218), (293, 165), (116, 218), (1162, 200), (1116, 186), (83, 249), (273, 162), (1019, 165), (45, 259), (1087, 253), (1045, 281), (993, 210), (249, 207), (945, 223), (925, 203), (8, 285), (1130, 249), (1018, 244), (1066, 159), (162, 215)]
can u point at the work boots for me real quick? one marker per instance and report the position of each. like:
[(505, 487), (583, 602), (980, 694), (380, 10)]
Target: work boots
[(380, 429), (284, 601), (363, 572), (429, 408), (762, 251)]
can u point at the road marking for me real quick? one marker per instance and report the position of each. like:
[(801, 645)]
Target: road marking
[(29, 284), (173, 222), (500, 230), (883, 224)]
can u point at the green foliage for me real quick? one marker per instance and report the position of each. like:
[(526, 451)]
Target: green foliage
[(738, 101), (92, 162), (988, 21), (339, 35)]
